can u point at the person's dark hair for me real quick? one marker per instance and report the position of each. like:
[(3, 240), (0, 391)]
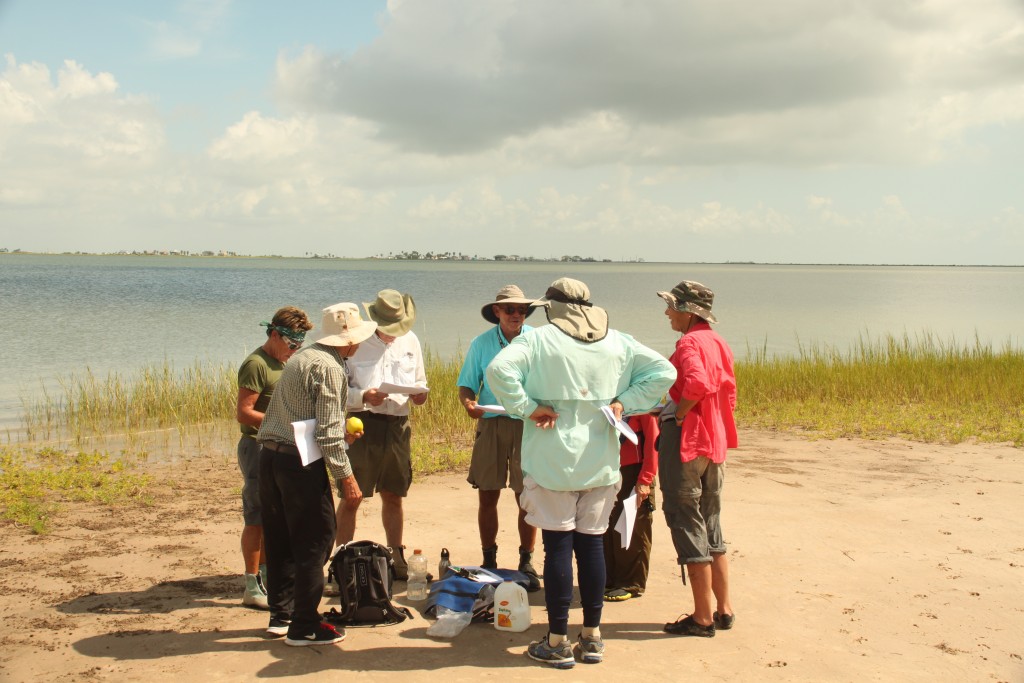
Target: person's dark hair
[(291, 318)]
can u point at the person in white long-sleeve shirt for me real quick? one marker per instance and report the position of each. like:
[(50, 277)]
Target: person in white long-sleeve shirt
[(382, 459)]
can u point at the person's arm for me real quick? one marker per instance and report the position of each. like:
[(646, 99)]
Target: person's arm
[(506, 376), (648, 425), (650, 378), (421, 376), (468, 400), (245, 408)]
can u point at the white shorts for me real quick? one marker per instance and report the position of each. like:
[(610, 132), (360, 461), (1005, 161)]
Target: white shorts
[(583, 511)]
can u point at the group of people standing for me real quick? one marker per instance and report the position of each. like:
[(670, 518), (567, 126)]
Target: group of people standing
[(541, 397)]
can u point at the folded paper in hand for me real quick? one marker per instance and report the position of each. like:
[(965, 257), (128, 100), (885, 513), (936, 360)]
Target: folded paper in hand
[(620, 425), (409, 389), (626, 520)]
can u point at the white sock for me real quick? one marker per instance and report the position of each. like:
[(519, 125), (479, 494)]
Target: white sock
[(594, 632), (555, 639)]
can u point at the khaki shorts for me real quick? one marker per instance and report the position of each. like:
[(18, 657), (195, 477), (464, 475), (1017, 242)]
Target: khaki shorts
[(382, 458), (583, 511), (496, 455)]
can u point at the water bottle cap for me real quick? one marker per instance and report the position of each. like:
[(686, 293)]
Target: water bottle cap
[(417, 551)]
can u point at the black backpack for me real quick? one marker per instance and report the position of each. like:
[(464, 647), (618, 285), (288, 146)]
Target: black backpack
[(364, 572)]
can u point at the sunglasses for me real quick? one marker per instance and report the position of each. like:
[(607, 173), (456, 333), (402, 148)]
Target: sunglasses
[(292, 338), (512, 310)]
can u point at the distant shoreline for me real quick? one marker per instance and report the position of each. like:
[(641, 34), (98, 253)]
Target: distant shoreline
[(518, 259)]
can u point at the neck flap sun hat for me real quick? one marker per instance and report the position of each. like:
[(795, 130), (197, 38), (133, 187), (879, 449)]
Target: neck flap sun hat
[(691, 297), (567, 305), (509, 294), (342, 326), (393, 312)]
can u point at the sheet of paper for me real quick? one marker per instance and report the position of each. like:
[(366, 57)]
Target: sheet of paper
[(620, 425), (497, 410), (309, 451), (626, 520), (410, 390)]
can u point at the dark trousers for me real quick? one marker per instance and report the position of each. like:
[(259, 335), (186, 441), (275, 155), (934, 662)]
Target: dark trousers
[(298, 535), (559, 547), (628, 567)]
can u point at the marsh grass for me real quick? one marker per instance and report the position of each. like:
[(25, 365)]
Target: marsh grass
[(442, 432), (917, 388), (33, 484), (156, 397)]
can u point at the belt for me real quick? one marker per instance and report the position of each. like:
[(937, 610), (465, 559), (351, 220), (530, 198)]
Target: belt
[(278, 447), (369, 415)]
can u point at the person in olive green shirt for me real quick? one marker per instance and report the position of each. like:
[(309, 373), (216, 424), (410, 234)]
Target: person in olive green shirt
[(257, 376)]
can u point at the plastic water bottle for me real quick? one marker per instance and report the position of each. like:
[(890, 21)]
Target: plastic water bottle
[(511, 607), (416, 586), (444, 564)]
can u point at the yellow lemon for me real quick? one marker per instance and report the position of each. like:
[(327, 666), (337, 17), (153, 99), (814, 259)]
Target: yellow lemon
[(353, 425)]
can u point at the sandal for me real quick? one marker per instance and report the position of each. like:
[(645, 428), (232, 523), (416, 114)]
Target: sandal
[(618, 595), (723, 622), (688, 627)]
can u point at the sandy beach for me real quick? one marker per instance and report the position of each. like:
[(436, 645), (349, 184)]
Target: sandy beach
[(851, 561)]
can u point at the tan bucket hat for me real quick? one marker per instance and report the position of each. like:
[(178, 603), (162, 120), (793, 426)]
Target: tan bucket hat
[(393, 312), (509, 294), (568, 307), (342, 326)]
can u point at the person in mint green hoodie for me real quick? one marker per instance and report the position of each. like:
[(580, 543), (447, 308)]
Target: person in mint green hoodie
[(558, 378)]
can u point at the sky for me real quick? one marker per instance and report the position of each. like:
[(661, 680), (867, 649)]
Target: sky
[(795, 131)]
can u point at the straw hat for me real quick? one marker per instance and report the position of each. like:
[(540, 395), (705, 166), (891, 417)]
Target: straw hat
[(342, 326), (393, 312), (509, 294), (569, 309)]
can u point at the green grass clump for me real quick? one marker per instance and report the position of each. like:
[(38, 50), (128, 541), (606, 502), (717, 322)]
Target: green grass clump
[(920, 389), (33, 484), (442, 432), (155, 397)]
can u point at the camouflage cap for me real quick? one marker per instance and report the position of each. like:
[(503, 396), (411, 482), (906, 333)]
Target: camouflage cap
[(691, 297)]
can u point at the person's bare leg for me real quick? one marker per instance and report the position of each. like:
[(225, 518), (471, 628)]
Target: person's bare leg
[(720, 583), (252, 547), (700, 584), (392, 517), (346, 517), (487, 517), (527, 533)]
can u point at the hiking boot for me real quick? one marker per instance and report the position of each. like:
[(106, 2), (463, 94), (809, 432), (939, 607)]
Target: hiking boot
[(490, 558), (255, 594), (526, 567), (401, 566), (322, 634), (278, 627), (560, 656), (590, 650)]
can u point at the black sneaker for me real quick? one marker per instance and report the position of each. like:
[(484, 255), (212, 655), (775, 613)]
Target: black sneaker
[(323, 634), (278, 627), (490, 558), (689, 627)]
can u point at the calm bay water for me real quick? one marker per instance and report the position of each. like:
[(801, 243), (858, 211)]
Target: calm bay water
[(120, 313)]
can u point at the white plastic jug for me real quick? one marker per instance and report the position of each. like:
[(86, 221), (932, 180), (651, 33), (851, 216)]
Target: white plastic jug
[(511, 607)]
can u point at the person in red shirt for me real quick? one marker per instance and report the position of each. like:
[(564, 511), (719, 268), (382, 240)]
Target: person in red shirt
[(627, 568), (697, 428)]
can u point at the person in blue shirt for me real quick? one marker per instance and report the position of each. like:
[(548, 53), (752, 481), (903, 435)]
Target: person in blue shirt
[(560, 379), (496, 450)]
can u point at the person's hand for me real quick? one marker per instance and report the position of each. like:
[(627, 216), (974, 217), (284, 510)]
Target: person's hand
[(616, 409), (374, 397), (472, 410), (420, 399), (544, 417), (643, 491), (350, 437), (350, 489)]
